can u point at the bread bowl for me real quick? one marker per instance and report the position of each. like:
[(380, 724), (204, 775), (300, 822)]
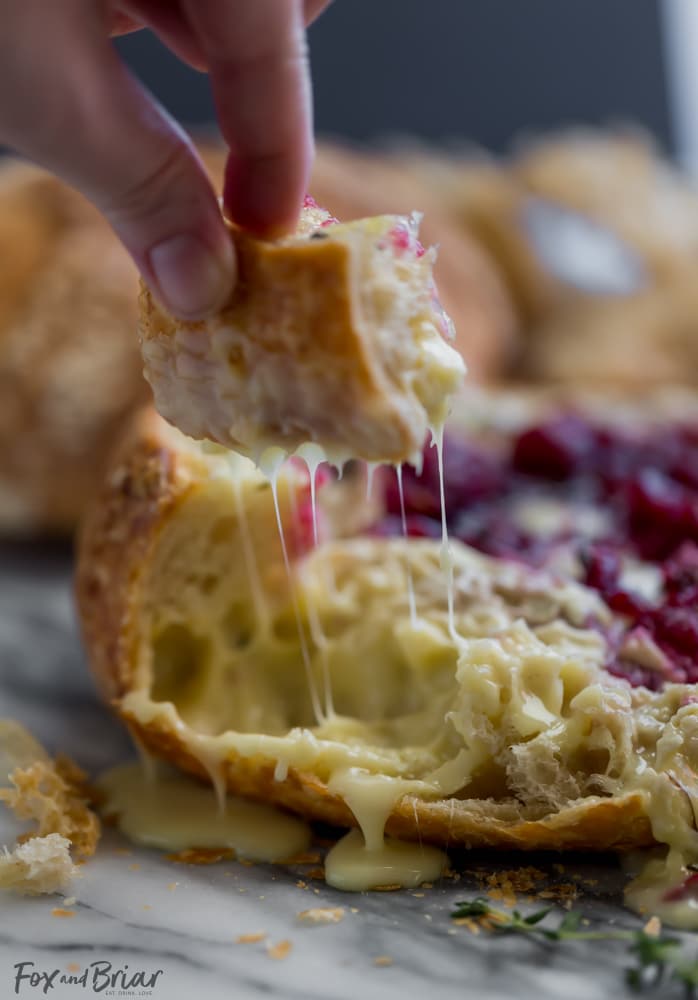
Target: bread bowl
[(513, 735)]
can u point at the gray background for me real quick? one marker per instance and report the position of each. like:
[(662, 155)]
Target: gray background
[(477, 70)]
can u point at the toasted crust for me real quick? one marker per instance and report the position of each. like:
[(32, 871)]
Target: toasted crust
[(149, 479)]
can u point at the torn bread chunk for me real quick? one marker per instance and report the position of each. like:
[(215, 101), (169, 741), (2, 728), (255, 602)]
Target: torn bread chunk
[(54, 793), (41, 865), (333, 335)]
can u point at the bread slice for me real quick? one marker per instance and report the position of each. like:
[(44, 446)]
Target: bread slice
[(333, 335), (511, 735)]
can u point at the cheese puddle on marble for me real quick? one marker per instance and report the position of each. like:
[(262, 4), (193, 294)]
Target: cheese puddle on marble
[(175, 812), (366, 858), (351, 866)]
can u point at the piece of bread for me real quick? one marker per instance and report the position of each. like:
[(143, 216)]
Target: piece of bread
[(355, 184), (533, 744), (53, 794), (333, 335), (39, 866)]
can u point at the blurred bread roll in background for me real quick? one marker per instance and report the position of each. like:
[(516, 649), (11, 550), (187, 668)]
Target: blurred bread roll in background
[(70, 365), (596, 237), (70, 371)]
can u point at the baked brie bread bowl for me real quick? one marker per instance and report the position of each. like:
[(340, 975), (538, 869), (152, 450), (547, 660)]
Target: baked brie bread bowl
[(556, 708)]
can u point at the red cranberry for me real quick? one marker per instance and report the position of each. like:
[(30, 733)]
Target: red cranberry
[(555, 450), (602, 567), (678, 628), (681, 576)]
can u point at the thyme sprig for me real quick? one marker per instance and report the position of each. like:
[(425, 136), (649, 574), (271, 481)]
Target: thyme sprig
[(658, 957)]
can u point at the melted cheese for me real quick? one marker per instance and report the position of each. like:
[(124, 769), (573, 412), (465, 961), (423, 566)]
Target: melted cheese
[(175, 813), (352, 866)]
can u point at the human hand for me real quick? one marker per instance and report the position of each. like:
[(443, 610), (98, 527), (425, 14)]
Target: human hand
[(72, 106)]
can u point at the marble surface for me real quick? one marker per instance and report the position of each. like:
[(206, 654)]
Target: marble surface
[(135, 908)]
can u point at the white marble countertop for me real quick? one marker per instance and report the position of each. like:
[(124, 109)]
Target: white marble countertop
[(135, 908)]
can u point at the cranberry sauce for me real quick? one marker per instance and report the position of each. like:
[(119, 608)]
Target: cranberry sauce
[(641, 491)]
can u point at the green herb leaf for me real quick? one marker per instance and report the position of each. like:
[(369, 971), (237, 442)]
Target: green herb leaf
[(478, 907), (535, 918)]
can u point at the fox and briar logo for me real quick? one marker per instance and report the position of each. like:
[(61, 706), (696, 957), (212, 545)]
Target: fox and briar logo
[(101, 977)]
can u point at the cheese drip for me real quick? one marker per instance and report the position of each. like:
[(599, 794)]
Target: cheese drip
[(437, 441), (314, 456), (270, 463), (366, 858), (403, 518), (176, 813)]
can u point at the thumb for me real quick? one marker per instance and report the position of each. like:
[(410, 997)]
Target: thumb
[(88, 120)]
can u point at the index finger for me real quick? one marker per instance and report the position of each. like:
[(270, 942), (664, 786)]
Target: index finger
[(257, 59)]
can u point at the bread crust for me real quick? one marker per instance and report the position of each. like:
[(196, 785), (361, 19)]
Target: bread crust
[(150, 477)]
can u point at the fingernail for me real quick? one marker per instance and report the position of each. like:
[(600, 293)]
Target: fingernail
[(192, 280)]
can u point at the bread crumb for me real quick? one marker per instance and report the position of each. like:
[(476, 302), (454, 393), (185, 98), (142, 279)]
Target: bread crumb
[(201, 855), (382, 960), (58, 911), (304, 858), (147, 906), (280, 950), (250, 938), (70, 901), (72, 967), (300, 884), (418, 895), (55, 794), (653, 927), (135, 867), (172, 886), (322, 915), (37, 866)]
